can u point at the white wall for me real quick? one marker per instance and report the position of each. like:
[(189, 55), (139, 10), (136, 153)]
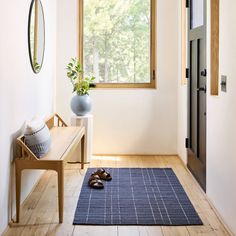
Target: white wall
[(221, 122), (22, 93), (128, 121)]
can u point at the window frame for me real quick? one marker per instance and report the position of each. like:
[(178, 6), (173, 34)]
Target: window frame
[(153, 61)]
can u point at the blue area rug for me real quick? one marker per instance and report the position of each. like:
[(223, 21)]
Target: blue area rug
[(136, 196)]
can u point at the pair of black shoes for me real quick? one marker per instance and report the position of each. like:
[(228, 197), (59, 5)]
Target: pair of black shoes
[(95, 180)]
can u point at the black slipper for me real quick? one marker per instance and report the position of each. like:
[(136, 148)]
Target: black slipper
[(95, 182), (103, 174)]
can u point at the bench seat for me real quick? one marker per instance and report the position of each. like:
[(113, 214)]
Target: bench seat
[(64, 142)]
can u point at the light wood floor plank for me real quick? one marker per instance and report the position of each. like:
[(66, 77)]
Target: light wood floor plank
[(175, 231), (86, 230), (150, 231), (201, 230), (40, 212), (29, 205), (128, 231), (42, 216)]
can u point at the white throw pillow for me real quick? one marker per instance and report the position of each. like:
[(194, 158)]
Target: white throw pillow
[(37, 137)]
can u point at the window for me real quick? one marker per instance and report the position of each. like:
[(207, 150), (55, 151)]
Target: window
[(117, 42)]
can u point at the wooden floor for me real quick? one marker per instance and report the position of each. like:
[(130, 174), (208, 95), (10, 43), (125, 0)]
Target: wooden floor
[(39, 214)]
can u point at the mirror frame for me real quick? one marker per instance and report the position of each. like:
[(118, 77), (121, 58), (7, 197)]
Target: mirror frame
[(29, 46)]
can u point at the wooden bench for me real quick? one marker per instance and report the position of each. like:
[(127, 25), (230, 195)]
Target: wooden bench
[(64, 142)]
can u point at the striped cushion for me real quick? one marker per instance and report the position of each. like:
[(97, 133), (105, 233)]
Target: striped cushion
[(37, 137)]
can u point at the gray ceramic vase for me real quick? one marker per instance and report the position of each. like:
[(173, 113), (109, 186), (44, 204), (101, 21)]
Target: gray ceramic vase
[(81, 104)]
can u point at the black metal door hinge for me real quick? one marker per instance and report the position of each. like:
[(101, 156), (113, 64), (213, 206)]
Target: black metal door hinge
[(187, 73), (187, 3), (186, 143)]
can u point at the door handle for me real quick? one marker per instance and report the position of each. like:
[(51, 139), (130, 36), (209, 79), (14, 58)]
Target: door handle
[(204, 73), (203, 89)]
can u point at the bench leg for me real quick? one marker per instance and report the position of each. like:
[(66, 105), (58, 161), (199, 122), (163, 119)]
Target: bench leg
[(18, 192), (82, 151), (60, 176)]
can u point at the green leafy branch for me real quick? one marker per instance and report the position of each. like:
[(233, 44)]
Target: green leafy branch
[(75, 73)]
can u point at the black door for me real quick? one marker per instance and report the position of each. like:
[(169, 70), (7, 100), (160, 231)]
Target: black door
[(197, 76)]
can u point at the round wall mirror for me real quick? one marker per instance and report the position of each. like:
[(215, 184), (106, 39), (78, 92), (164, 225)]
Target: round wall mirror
[(36, 35)]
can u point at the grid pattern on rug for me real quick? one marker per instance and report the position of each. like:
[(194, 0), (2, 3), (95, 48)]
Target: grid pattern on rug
[(136, 196)]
